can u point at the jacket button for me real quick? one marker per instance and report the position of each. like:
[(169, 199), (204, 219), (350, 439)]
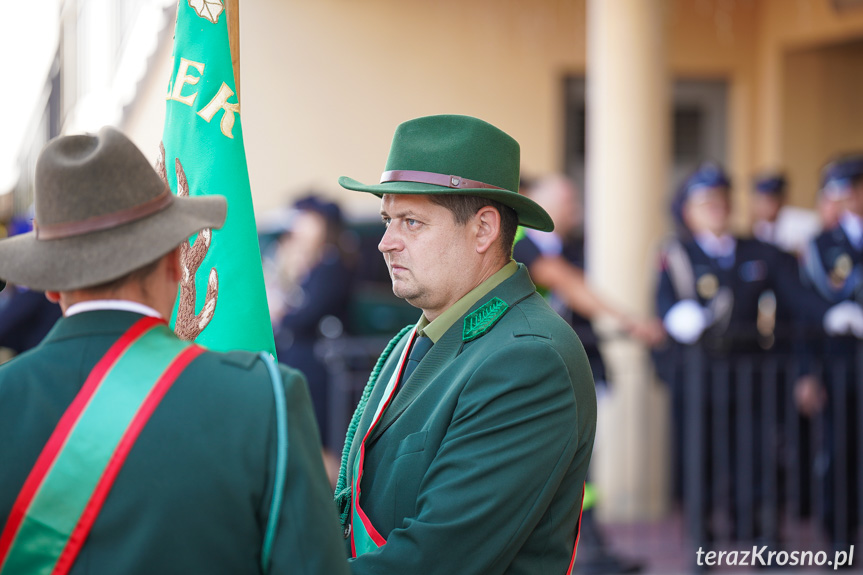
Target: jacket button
[(347, 531)]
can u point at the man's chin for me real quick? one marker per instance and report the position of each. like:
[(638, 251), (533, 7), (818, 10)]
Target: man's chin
[(406, 294)]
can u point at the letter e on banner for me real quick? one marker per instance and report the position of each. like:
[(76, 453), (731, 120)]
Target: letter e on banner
[(184, 78)]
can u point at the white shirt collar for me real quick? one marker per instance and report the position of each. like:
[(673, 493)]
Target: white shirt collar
[(716, 247), (111, 304), (853, 228)]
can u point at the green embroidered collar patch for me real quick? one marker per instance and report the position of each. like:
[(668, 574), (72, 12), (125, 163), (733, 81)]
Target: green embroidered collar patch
[(483, 319)]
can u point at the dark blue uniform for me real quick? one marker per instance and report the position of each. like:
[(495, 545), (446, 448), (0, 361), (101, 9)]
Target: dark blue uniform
[(26, 317), (754, 268), (834, 267)]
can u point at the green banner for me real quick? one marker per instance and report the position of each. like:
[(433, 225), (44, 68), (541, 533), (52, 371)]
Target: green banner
[(222, 302)]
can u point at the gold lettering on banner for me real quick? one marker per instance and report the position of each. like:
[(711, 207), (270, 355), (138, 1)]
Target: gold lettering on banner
[(220, 102), (184, 78)]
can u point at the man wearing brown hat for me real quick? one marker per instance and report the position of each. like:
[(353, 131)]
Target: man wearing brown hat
[(125, 449), (468, 451)]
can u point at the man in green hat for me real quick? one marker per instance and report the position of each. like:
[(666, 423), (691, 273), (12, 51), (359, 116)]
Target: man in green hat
[(125, 449), (468, 451)]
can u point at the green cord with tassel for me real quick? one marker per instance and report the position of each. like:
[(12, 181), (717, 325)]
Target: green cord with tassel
[(343, 491)]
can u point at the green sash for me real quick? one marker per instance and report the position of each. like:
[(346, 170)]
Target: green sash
[(67, 486), (364, 537)]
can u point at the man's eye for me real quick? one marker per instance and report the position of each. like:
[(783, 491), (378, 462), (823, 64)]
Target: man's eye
[(411, 223), (386, 221)]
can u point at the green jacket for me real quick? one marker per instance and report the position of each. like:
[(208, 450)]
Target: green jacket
[(478, 465), (194, 493)]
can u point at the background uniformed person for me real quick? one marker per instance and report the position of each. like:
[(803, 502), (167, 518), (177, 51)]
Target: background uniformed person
[(775, 222), (711, 280), (833, 265), (26, 316)]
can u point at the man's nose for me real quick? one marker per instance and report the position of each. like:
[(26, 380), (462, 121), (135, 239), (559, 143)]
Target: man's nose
[(390, 241)]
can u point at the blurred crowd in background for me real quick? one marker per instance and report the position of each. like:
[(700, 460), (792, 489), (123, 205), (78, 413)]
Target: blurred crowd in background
[(762, 359)]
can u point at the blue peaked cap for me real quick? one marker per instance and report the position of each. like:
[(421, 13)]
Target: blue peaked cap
[(707, 175), (838, 176), (313, 203), (770, 184)]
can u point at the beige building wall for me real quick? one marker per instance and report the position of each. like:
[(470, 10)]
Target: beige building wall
[(716, 39), (810, 75), (822, 112), (325, 83)]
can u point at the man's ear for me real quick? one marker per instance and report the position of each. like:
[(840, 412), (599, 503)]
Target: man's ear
[(487, 221), (174, 265), (57, 297)]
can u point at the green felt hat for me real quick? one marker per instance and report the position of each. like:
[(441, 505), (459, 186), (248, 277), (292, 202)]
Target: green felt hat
[(457, 155)]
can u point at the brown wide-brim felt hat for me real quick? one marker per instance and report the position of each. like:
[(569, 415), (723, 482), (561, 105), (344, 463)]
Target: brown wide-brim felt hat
[(455, 155), (102, 211)]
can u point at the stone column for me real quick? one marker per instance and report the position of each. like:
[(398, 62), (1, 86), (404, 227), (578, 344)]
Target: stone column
[(628, 160)]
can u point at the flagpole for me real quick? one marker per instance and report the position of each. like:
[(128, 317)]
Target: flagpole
[(232, 9)]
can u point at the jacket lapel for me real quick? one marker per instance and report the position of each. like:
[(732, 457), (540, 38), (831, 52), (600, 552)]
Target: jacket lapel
[(512, 290), (440, 354), (377, 394)]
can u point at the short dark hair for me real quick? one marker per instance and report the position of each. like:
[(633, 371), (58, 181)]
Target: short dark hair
[(464, 207), (135, 275)]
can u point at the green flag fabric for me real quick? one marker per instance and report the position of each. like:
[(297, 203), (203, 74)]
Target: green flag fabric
[(222, 302)]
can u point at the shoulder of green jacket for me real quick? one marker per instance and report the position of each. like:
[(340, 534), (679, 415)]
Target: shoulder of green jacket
[(242, 359), (248, 361)]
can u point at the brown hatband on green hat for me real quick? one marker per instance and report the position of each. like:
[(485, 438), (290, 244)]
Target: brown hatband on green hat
[(102, 211), (460, 155)]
